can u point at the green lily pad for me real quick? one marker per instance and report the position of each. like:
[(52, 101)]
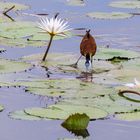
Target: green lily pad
[(132, 116), (64, 111), (64, 87), (76, 2), (21, 115), (125, 74), (67, 59), (1, 108), (52, 87), (7, 66), (64, 63), (24, 33), (112, 15), (107, 53), (76, 122), (6, 5), (101, 65), (21, 42), (109, 103), (126, 4), (3, 18), (129, 94)]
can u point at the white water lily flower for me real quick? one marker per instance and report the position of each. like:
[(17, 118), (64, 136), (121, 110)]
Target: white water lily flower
[(136, 84), (54, 26)]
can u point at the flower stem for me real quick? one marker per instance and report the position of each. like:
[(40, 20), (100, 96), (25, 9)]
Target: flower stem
[(45, 55)]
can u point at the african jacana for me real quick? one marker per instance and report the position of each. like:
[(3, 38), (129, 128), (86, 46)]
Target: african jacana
[(87, 48)]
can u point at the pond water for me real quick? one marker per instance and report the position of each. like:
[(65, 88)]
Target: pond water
[(122, 33)]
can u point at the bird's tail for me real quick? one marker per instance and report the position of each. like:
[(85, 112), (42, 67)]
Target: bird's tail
[(87, 60)]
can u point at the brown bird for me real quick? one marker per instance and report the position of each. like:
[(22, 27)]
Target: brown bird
[(87, 48)]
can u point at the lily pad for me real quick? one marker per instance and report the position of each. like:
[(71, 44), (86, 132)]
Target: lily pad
[(64, 87), (76, 2), (107, 53), (64, 63), (1, 108), (125, 74), (126, 4), (6, 5), (67, 59), (21, 42), (101, 65), (3, 18), (129, 94), (109, 103), (111, 15), (132, 116), (24, 33), (21, 115), (7, 66), (64, 111), (53, 88)]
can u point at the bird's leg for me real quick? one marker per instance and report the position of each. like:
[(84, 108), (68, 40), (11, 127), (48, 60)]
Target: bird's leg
[(75, 64), (91, 61)]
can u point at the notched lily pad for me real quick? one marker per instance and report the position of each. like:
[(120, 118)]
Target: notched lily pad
[(59, 111), (6, 5), (126, 4), (112, 15), (111, 103), (24, 33), (21, 115), (7, 66), (109, 53), (130, 116), (4, 18)]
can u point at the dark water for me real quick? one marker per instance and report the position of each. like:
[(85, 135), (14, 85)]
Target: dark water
[(117, 34)]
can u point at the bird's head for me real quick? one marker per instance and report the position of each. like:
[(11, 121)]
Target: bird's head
[(88, 33)]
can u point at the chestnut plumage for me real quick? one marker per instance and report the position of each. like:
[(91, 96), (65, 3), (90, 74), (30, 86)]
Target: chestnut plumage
[(88, 47)]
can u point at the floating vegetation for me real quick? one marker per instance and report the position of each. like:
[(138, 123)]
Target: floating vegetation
[(126, 4), (7, 5), (78, 101), (1, 108), (22, 33), (109, 15), (21, 115), (8, 66), (63, 111), (129, 116), (76, 2)]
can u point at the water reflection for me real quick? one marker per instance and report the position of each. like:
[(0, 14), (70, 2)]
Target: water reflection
[(83, 133), (86, 76)]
